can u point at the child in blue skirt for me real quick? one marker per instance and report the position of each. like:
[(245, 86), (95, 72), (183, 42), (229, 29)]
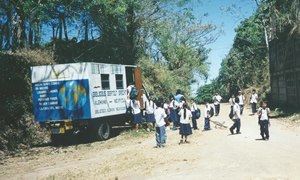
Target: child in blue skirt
[(185, 127), (137, 115), (173, 106)]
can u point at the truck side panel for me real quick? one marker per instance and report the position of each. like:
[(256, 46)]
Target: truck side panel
[(108, 90), (58, 100), (61, 92)]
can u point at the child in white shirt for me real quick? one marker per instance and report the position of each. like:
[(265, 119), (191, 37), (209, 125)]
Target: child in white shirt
[(264, 121), (160, 123)]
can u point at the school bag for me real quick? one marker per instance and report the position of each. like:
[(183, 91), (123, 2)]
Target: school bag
[(211, 111), (133, 93), (198, 113)]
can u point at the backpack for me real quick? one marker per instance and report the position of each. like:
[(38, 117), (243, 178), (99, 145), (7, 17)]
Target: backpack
[(211, 111), (198, 113), (133, 93)]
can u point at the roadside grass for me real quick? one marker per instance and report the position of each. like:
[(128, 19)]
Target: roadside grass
[(286, 115)]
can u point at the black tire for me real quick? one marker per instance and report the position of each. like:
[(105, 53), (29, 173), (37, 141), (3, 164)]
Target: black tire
[(103, 131)]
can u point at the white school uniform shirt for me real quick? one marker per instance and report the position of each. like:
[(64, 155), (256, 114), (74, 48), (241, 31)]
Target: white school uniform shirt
[(159, 115), (264, 113), (129, 90), (206, 108), (241, 99), (173, 103), (236, 111), (135, 106), (185, 120), (254, 98), (194, 107), (150, 107), (166, 106), (231, 101), (217, 99)]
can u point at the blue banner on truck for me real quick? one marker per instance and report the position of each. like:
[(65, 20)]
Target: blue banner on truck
[(61, 100)]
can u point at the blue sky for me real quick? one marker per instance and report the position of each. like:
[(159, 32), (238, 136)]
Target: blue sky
[(226, 15)]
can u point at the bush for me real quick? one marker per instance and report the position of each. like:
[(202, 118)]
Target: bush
[(161, 81), (16, 122)]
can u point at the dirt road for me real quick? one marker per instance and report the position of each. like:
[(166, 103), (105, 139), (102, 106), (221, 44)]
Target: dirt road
[(211, 155)]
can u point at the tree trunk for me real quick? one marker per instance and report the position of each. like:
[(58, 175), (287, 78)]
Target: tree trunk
[(53, 32), (14, 38), (92, 32), (60, 27), (65, 28), (86, 30), (30, 38), (22, 29), (37, 34), (1, 36)]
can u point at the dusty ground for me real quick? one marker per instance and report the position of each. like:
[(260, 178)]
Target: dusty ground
[(211, 155)]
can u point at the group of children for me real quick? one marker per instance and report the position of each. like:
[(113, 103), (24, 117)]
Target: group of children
[(237, 106), (159, 114)]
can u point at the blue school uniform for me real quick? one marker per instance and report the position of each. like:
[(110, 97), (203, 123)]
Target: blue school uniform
[(185, 127)]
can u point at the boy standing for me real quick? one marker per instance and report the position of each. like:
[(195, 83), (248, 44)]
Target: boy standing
[(193, 110), (253, 101), (241, 102), (236, 117), (207, 115), (264, 121), (217, 99), (160, 123)]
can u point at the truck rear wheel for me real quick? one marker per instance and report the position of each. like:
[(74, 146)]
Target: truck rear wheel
[(100, 130), (103, 131)]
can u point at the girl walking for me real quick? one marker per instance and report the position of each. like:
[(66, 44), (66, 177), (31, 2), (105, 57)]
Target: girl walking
[(185, 127)]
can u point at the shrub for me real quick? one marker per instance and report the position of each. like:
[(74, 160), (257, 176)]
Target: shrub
[(16, 123)]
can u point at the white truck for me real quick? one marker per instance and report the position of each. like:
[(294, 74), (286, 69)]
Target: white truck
[(87, 96)]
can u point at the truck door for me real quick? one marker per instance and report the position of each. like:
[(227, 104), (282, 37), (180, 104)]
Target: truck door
[(134, 74), (139, 84)]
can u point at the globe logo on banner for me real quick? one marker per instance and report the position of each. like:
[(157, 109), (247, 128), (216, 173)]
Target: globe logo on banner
[(72, 96)]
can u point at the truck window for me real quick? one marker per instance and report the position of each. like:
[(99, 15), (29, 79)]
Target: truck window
[(119, 81), (105, 81)]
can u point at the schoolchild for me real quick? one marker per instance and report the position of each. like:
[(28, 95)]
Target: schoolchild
[(193, 110), (253, 101), (217, 99), (173, 106), (185, 127), (236, 118), (150, 107), (231, 102), (264, 120), (178, 95), (137, 115), (207, 115), (241, 102), (160, 128)]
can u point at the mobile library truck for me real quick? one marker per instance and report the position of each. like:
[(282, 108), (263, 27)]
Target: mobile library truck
[(90, 97)]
